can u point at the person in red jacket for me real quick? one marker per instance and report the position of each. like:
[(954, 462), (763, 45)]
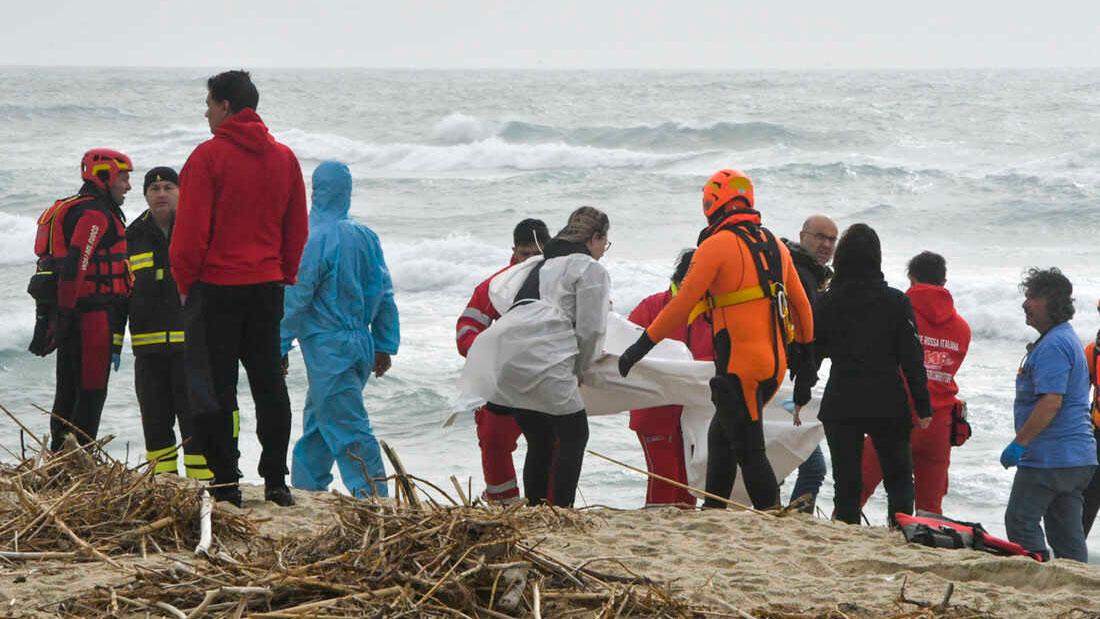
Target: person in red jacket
[(497, 433), (241, 226), (658, 428), (82, 239), (945, 337)]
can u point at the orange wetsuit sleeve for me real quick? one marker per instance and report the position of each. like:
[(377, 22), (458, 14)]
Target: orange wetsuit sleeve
[(802, 315), (700, 275), (1091, 360)]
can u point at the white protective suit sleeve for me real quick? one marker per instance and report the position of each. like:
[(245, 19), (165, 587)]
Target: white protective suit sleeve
[(593, 302)]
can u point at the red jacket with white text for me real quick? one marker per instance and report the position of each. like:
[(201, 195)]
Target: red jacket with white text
[(242, 215), (945, 337)]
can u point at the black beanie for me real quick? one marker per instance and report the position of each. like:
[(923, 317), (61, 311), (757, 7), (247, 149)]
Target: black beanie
[(161, 173)]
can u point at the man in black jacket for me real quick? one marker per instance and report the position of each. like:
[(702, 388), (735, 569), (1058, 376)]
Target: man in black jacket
[(811, 257), (156, 331)]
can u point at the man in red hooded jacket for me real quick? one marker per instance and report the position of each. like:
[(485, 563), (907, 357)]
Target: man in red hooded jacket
[(658, 428), (241, 226), (945, 337), (497, 433)]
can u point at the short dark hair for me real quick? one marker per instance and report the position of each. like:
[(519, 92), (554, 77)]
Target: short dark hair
[(1052, 285), (928, 268), (236, 87), (531, 231)]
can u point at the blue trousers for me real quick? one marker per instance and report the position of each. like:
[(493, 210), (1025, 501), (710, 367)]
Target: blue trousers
[(336, 429), (1055, 497), (811, 474)]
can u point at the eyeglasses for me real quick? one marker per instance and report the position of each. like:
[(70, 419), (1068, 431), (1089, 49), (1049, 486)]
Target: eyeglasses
[(821, 237), (608, 246)]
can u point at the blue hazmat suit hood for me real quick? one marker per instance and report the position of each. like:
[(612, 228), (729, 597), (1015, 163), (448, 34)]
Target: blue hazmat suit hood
[(331, 193)]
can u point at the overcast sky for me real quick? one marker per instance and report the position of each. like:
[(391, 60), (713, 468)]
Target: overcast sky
[(573, 34)]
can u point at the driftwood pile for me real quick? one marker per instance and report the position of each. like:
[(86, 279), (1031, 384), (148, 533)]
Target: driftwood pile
[(385, 560), (80, 503)]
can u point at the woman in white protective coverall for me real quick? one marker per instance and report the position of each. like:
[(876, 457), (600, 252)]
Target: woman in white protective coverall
[(552, 331)]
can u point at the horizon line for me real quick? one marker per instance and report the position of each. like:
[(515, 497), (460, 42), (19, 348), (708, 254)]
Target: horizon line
[(6, 65)]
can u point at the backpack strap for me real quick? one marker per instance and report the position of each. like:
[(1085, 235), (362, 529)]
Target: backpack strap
[(529, 290)]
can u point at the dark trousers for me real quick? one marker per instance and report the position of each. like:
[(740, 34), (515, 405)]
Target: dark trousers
[(555, 451), (161, 387), (891, 440), (226, 326), (1092, 492), (83, 365), (735, 440)]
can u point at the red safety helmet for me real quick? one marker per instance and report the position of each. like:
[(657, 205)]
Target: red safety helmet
[(99, 160), (724, 187)]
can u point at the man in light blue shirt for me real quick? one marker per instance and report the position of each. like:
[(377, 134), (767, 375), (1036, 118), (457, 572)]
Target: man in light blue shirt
[(1054, 448)]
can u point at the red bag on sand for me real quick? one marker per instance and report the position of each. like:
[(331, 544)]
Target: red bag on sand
[(941, 532)]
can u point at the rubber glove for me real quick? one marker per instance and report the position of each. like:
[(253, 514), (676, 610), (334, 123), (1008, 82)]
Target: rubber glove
[(1011, 455), (634, 353), (116, 360)]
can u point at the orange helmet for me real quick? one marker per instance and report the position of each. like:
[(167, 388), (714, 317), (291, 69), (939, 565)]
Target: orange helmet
[(101, 166), (724, 187)]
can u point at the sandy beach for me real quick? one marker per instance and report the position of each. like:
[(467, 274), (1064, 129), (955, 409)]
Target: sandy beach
[(731, 562)]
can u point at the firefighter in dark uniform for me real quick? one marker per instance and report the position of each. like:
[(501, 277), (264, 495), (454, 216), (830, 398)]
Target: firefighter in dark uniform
[(156, 332)]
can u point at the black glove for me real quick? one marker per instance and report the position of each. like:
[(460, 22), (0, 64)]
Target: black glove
[(635, 353), (43, 342)]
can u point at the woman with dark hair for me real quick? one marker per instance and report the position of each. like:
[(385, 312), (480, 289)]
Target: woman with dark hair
[(868, 330), (552, 332)]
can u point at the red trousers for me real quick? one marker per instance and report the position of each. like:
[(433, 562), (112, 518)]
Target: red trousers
[(931, 450), (662, 441), (497, 435)]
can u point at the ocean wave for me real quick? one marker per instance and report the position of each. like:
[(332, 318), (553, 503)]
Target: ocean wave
[(848, 170), (993, 307), (1043, 188), (487, 154), (16, 239), (459, 128), (451, 264), (60, 112)]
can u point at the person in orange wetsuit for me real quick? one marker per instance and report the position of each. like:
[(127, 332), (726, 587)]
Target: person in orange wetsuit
[(497, 433), (658, 428), (744, 279)]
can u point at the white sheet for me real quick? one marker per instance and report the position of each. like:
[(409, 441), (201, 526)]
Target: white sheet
[(669, 375)]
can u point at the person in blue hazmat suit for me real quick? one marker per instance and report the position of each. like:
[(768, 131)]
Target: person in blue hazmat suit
[(343, 314)]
